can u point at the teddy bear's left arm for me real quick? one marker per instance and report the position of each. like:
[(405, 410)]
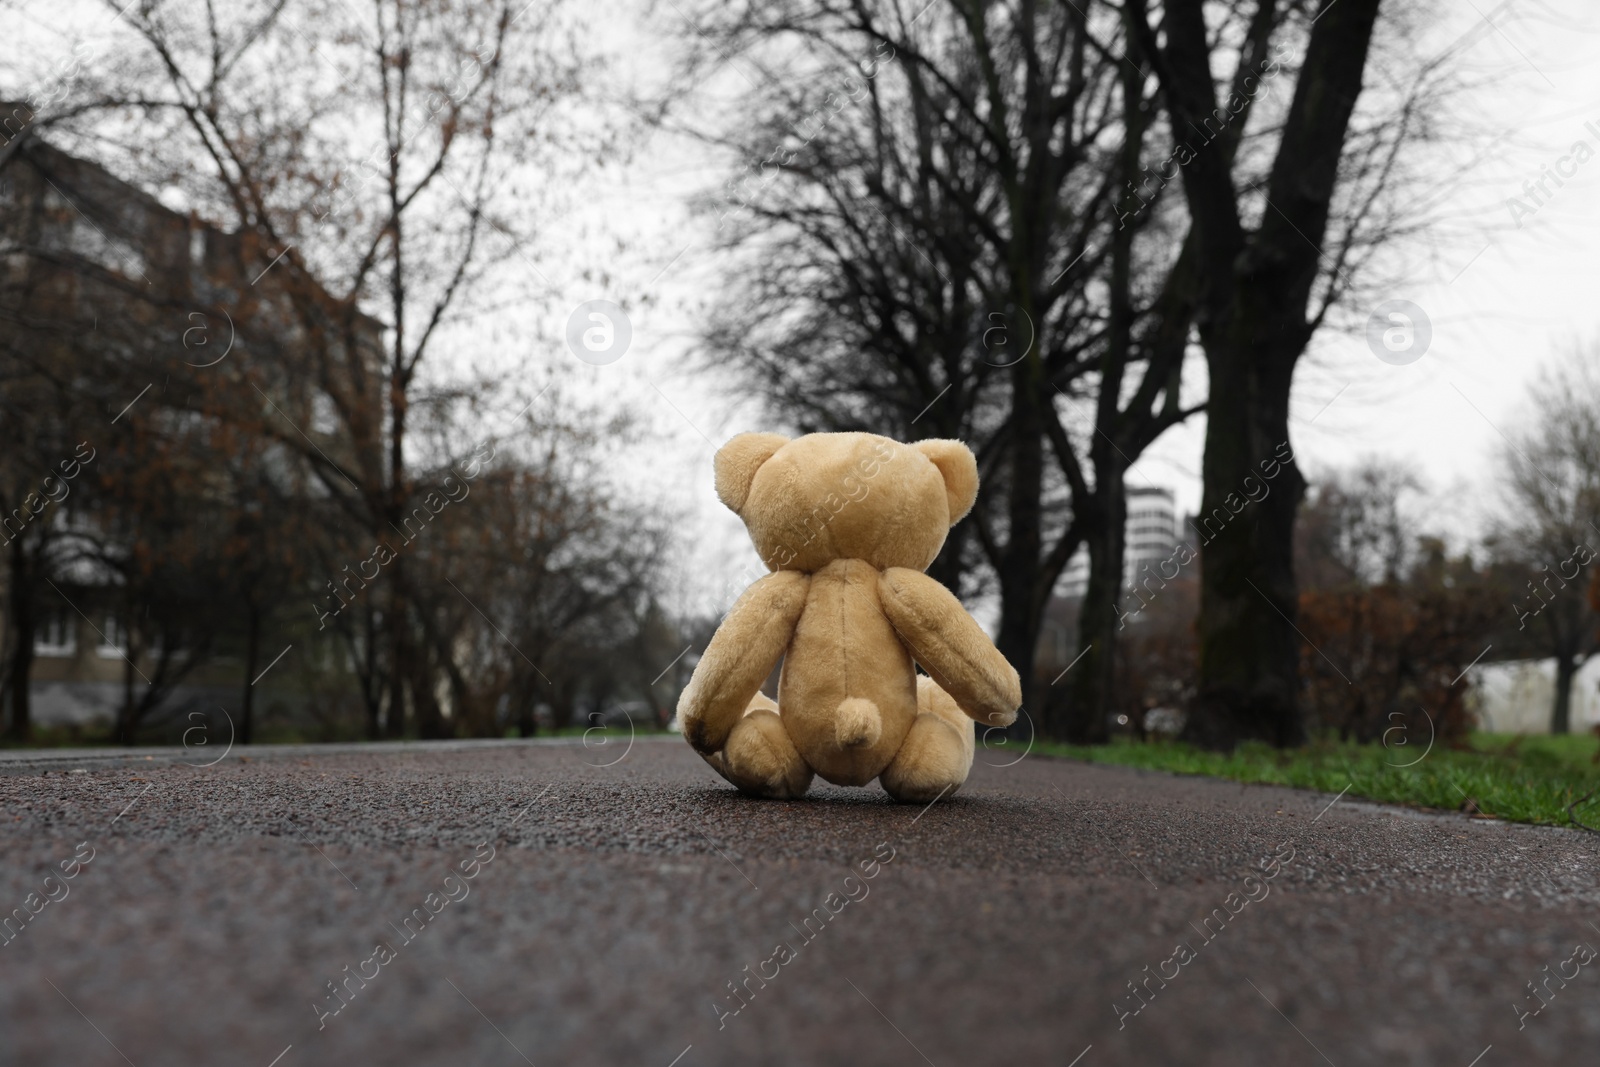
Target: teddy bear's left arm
[(741, 655), (951, 646)]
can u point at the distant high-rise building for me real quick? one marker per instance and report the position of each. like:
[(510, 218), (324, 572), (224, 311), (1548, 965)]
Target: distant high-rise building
[(1152, 530), (1151, 535)]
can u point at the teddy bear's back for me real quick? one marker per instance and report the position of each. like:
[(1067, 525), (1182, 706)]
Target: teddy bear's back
[(844, 647)]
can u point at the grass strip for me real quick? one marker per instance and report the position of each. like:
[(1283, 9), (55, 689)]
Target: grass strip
[(1530, 779)]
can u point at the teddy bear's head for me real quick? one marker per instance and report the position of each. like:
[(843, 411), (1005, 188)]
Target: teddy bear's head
[(827, 496)]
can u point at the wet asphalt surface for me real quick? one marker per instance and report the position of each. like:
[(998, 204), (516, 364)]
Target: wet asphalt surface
[(610, 906)]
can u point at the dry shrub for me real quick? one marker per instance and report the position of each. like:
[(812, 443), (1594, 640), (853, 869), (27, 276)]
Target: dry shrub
[(1390, 657)]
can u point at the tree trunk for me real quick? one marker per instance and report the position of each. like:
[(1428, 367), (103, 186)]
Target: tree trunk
[(1021, 601), (395, 719), (367, 671), (1249, 646), (527, 721), (563, 702), (1100, 621), (1561, 714), (399, 494), (127, 717), (19, 673), (1093, 683), (431, 724), (21, 629), (1253, 325), (252, 646)]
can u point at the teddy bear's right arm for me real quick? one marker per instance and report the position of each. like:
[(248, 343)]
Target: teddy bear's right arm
[(951, 646), (742, 653)]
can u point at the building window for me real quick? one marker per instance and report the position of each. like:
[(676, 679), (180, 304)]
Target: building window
[(56, 636), (113, 639)]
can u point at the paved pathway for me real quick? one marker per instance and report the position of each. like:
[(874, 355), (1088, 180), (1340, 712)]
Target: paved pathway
[(1051, 913)]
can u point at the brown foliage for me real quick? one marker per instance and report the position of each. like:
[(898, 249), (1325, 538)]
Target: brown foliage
[(1391, 655)]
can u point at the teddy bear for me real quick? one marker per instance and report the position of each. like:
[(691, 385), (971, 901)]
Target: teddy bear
[(846, 524)]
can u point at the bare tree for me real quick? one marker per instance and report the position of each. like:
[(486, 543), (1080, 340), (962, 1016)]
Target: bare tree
[(390, 182), (1273, 257), (540, 584), (1356, 528), (1550, 474)]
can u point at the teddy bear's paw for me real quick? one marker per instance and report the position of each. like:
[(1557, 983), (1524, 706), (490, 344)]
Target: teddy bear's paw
[(907, 792), (932, 761), (999, 718), (761, 760), (700, 735)]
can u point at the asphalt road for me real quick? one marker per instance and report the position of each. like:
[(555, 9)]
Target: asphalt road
[(610, 906)]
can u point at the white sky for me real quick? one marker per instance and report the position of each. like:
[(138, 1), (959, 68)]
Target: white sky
[(1500, 298)]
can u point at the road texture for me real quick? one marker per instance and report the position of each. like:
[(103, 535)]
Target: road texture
[(610, 907)]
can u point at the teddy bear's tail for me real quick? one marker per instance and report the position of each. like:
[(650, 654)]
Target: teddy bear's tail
[(857, 723)]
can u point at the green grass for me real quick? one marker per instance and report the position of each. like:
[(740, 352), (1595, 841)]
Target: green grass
[(1522, 779)]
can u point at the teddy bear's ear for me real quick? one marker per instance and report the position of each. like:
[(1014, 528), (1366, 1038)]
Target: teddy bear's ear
[(736, 464), (960, 470)]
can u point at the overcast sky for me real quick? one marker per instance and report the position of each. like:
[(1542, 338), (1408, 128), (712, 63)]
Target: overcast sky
[(1501, 302), (1501, 297)]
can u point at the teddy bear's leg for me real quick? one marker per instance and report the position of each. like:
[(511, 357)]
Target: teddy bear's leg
[(937, 752), (759, 756)]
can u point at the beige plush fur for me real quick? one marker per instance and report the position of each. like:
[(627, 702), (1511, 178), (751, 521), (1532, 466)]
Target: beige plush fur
[(847, 523)]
